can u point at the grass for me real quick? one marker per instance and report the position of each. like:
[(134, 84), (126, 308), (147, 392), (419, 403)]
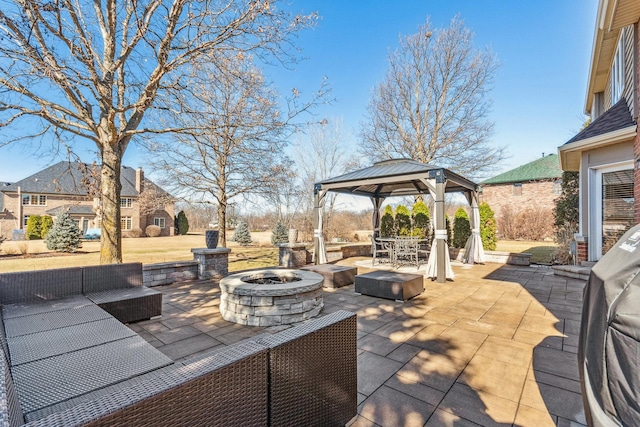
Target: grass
[(147, 250), (541, 252), (151, 250)]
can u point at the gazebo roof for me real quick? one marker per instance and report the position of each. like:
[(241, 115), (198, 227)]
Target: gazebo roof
[(395, 177)]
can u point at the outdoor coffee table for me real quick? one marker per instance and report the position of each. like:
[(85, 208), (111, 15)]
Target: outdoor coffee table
[(389, 284)]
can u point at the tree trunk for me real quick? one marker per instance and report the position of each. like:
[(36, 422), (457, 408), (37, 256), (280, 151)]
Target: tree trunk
[(222, 224), (110, 188)]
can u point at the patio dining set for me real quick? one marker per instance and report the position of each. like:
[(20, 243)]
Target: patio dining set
[(400, 250)]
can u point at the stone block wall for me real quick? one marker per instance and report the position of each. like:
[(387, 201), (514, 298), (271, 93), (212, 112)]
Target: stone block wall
[(166, 273)]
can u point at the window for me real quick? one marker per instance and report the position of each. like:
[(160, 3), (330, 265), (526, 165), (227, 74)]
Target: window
[(617, 73), (159, 222), (125, 223), (125, 202), (34, 199), (557, 186), (25, 220), (517, 189)]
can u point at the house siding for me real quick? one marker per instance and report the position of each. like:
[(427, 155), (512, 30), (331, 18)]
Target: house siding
[(535, 195), (628, 42)]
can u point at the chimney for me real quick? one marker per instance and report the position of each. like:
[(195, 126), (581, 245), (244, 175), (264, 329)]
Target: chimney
[(139, 180)]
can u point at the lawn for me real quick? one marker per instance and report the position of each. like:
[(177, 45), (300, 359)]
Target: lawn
[(146, 250), (151, 250), (541, 252)]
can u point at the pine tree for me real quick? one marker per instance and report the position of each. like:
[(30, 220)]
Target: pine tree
[(183, 223), (461, 228), (279, 234), (64, 236), (242, 236)]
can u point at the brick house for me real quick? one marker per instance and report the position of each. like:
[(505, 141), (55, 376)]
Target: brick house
[(607, 152), (531, 187), (71, 187)]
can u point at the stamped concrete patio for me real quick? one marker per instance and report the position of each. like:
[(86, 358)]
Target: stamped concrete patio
[(495, 347)]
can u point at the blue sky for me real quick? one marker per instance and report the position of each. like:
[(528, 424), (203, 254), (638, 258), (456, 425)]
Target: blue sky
[(543, 46)]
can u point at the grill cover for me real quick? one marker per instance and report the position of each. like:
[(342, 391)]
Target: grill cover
[(609, 347)]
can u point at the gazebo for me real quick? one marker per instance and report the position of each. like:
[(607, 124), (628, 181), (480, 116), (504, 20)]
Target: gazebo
[(405, 177)]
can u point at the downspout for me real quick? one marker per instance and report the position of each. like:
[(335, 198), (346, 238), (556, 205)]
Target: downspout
[(19, 208)]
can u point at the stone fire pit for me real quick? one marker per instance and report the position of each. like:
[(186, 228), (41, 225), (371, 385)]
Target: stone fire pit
[(271, 297)]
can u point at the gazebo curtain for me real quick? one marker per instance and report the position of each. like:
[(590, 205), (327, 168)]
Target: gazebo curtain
[(473, 250), (375, 220), (439, 254), (319, 248)]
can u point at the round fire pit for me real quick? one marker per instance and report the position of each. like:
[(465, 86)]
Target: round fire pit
[(271, 297)]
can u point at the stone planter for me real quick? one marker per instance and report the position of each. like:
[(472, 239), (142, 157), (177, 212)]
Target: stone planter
[(211, 238), (293, 235)]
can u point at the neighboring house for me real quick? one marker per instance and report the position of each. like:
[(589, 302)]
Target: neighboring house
[(607, 152), (74, 187), (533, 186)]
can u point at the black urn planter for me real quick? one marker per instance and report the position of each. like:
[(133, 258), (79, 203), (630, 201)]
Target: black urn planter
[(211, 237)]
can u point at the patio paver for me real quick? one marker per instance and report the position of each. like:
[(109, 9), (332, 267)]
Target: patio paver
[(497, 346)]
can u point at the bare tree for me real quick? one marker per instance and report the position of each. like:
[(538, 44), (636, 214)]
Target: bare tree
[(285, 193), (237, 134), (91, 70), (322, 154), (433, 104)]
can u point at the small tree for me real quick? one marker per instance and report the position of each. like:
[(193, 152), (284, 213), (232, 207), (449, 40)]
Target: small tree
[(64, 236), (242, 236), (47, 223), (403, 221), (461, 228), (447, 222), (566, 215), (420, 214), (279, 234), (183, 223), (387, 223), (488, 228), (34, 227)]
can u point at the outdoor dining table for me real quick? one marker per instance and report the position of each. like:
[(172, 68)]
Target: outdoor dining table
[(391, 244)]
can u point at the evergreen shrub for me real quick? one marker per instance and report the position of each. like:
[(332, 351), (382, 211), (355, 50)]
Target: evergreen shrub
[(47, 223), (279, 234), (183, 223), (242, 236), (387, 223), (420, 214), (64, 235), (403, 221), (34, 227), (488, 227), (461, 228)]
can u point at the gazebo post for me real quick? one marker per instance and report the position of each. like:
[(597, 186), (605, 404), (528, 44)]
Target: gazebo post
[(375, 219), (319, 251), (441, 225)]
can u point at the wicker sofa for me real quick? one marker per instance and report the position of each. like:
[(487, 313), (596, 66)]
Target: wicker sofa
[(56, 371)]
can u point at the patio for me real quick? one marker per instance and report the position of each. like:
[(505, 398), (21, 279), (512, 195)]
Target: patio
[(495, 347)]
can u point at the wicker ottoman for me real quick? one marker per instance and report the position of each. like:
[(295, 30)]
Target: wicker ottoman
[(390, 285), (335, 276)]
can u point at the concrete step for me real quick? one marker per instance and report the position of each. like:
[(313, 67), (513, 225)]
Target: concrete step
[(573, 271)]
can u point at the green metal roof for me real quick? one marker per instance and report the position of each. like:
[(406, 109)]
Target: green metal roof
[(547, 167)]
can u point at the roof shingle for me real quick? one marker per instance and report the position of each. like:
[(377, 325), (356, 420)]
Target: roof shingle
[(547, 167)]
